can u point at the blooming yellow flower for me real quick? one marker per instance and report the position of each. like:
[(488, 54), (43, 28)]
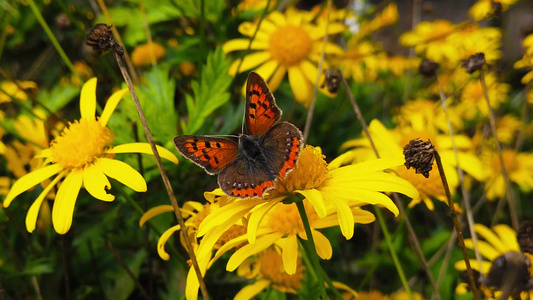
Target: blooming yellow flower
[(287, 43), (255, 5), (82, 156), (507, 127), (487, 8), (142, 54), (400, 64), (387, 17), (472, 39), (527, 59), (362, 61), (473, 100), (428, 112), (390, 143), (9, 89), (519, 168)]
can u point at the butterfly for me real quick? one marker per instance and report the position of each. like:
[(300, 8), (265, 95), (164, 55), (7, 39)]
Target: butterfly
[(250, 164)]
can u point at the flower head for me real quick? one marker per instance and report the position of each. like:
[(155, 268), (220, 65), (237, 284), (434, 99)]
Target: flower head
[(143, 54), (9, 89), (82, 156)]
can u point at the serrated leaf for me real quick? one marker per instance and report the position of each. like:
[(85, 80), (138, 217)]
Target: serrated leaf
[(210, 92)]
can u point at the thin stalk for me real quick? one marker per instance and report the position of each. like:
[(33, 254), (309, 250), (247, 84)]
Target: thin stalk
[(393, 254), (148, 33), (446, 260), (457, 225), (66, 268), (164, 176), (310, 243), (466, 196), (414, 240), (311, 109), (202, 35), (492, 121), (116, 35), (52, 38), (127, 269)]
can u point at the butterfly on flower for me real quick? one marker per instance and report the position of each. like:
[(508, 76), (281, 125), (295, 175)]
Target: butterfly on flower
[(250, 164)]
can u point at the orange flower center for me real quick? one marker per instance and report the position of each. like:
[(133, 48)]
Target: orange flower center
[(81, 143), (290, 45)]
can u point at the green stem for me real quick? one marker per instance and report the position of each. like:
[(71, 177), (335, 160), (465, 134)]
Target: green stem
[(202, 36), (393, 253), (52, 38)]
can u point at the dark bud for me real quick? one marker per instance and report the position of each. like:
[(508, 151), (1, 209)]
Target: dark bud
[(333, 77), (474, 63), (526, 29), (508, 273), (63, 22), (525, 237), (463, 276), (419, 155), (100, 39), (428, 68), (497, 9)]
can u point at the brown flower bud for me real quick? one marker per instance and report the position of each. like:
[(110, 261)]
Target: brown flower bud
[(62, 21), (474, 62), (419, 155), (428, 68), (333, 77), (100, 39), (524, 235)]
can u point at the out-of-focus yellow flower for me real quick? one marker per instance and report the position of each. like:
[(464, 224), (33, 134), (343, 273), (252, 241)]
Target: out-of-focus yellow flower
[(508, 126), (362, 61), (9, 89), (84, 72), (287, 43), (387, 17), (451, 81), (527, 60), (255, 5), (473, 97), (400, 64), (472, 40), (487, 8), (187, 68), (431, 113), (148, 53)]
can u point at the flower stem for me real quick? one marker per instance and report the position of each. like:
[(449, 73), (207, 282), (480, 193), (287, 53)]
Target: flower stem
[(393, 253), (457, 225), (492, 121), (52, 38), (164, 176), (309, 245)]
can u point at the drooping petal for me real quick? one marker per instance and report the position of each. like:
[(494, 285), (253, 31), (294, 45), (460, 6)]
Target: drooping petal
[(249, 61), (33, 212), (344, 214), (225, 212), (290, 254), (322, 244), (144, 148), (301, 87), (256, 217), (88, 99), (123, 173), (243, 253), (192, 284), (30, 180), (110, 106), (96, 183), (252, 290), (66, 200), (163, 240), (154, 211), (316, 199)]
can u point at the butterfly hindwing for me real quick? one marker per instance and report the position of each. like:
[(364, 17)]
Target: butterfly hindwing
[(245, 178), (282, 145), (261, 111), (210, 153)]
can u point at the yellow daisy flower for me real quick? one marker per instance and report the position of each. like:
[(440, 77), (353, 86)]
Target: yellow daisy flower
[(473, 100), (401, 64), (527, 59), (390, 143), (472, 40), (287, 43), (9, 89), (508, 127), (519, 168), (142, 54), (387, 17), (82, 156), (362, 61), (429, 113), (486, 8)]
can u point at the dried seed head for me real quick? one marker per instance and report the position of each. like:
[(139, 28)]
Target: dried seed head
[(100, 39), (509, 272), (474, 62), (524, 236), (419, 155), (333, 77), (428, 68)]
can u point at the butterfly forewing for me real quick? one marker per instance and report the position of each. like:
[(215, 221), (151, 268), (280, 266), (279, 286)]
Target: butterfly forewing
[(244, 178), (282, 145), (210, 153), (261, 111)]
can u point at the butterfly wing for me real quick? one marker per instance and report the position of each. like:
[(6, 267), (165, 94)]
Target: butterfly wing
[(245, 178), (210, 153), (261, 111), (282, 145)]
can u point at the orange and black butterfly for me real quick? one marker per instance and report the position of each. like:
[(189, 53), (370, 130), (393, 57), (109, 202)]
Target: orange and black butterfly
[(248, 165)]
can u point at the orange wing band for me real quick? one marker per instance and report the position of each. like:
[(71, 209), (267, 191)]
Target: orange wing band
[(252, 192), (293, 157)]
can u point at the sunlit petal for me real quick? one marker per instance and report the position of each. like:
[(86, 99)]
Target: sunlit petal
[(96, 183), (154, 211), (322, 244), (110, 106), (88, 99), (29, 180), (242, 44), (301, 87), (163, 240), (144, 148), (251, 290), (256, 217), (290, 254), (66, 200), (243, 253), (249, 61), (123, 173), (316, 199), (33, 212)]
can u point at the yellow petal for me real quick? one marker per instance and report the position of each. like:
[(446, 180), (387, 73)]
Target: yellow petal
[(507, 236), (354, 196), (344, 214), (257, 215), (250, 61), (88, 99), (123, 173), (301, 87), (315, 197), (144, 148), (65, 201), (192, 284), (309, 70), (33, 212), (30, 180), (490, 237), (484, 248), (163, 240), (277, 78), (267, 69), (225, 212), (322, 244), (367, 167), (110, 106), (246, 251), (154, 211), (290, 254), (252, 290), (242, 44), (96, 183)]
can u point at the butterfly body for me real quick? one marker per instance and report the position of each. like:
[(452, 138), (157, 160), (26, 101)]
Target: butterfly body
[(249, 165)]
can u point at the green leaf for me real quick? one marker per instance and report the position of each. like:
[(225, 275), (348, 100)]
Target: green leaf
[(123, 285), (210, 92), (58, 96), (38, 266)]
